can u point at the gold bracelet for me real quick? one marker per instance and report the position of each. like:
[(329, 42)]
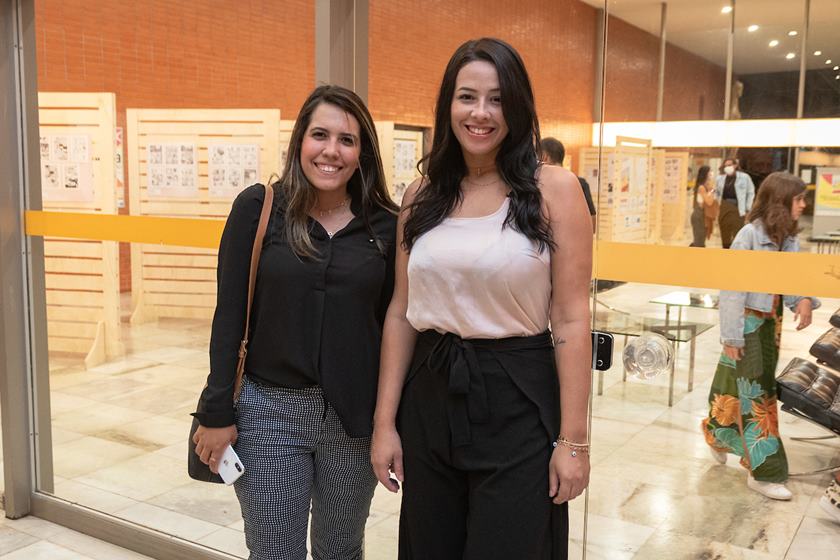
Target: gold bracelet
[(574, 447)]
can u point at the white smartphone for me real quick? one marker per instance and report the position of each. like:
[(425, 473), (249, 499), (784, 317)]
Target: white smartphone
[(230, 467)]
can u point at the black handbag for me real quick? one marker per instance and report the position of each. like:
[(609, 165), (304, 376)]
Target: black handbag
[(195, 468)]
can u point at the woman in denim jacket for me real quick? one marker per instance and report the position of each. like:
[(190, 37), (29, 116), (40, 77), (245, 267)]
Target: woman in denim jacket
[(734, 190), (743, 416)]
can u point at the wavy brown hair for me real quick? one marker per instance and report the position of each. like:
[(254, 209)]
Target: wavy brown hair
[(366, 187), (773, 203)]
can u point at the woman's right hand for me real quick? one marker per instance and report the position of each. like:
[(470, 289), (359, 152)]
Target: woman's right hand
[(733, 352), (386, 456), (210, 443)]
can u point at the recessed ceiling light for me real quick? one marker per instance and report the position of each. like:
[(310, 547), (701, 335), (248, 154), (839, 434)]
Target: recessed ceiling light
[(790, 55), (773, 43), (828, 61), (726, 9), (793, 33), (752, 28), (836, 68), (837, 77), (817, 53)]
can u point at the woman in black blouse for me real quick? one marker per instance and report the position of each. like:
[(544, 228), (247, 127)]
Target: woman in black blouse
[(302, 424)]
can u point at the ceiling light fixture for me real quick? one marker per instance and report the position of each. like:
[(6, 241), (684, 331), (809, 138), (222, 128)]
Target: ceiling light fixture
[(793, 33), (752, 28), (726, 9), (790, 55), (828, 61), (773, 43), (836, 68), (817, 53)]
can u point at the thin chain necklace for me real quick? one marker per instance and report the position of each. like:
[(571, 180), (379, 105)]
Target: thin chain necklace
[(473, 183), (329, 211), (482, 169)]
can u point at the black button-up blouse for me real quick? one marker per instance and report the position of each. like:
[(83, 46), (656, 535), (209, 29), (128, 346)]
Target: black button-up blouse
[(313, 322)]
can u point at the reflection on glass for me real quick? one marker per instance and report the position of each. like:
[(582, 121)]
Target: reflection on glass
[(822, 77), (765, 82), (655, 487)]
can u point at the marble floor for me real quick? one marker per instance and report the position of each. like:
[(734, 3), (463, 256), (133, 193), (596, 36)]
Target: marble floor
[(655, 492), (31, 538)]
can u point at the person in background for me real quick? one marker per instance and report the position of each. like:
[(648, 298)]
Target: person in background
[(743, 414), (302, 424), (703, 200), (554, 153), (735, 191)]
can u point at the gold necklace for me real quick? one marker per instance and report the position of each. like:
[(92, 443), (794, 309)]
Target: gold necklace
[(481, 170), (473, 183), (329, 211)]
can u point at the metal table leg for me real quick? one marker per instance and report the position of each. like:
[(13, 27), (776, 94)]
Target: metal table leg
[(623, 369), (691, 358)]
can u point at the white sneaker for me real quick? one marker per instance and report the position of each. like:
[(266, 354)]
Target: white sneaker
[(830, 502), (719, 456), (773, 490)]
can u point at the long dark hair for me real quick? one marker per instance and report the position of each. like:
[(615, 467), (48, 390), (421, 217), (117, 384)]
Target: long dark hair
[(773, 203), (516, 160), (366, 187), (702, 176)]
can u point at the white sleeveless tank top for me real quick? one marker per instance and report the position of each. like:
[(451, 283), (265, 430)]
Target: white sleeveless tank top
[(474, 278)]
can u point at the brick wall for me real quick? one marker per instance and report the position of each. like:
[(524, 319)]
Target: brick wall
[(260, 53), (694, 87), (411, 41), (157, 53)]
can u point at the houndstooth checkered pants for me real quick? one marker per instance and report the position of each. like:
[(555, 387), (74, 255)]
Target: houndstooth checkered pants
[(296, 453)]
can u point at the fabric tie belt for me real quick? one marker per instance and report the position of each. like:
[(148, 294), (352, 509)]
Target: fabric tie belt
[(457, 357)]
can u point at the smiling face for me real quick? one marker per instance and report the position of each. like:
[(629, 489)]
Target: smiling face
[(798, 206), (476, 111), (329, 153)]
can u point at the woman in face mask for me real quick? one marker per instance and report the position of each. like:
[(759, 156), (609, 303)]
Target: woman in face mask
[(735, 191)]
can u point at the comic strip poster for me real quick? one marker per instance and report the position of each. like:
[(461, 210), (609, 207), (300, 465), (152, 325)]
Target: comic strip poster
[(66, 168), (172, 170), (231, 168)]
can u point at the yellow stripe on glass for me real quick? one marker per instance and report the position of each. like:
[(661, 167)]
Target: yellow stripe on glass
[(755, 271)]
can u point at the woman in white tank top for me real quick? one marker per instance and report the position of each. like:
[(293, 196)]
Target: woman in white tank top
[(492, 250)]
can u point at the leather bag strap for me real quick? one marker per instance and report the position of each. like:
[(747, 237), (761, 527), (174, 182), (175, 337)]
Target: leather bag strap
[(252, 280)]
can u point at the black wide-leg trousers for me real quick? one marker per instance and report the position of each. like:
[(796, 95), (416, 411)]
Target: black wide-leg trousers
[(477, 419)]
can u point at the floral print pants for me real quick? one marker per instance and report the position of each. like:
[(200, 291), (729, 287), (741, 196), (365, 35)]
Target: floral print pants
[(743, 412)]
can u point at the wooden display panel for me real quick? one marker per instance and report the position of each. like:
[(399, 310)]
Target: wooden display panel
[(674, 198), (181, 281), (81, 276), (401, 148), (623, 178)]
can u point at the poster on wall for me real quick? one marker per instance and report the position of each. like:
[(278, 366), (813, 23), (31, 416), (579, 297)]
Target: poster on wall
[(404, 166), (66, 168), (172, 170), (827, 201), (231, 168), (672, 188)]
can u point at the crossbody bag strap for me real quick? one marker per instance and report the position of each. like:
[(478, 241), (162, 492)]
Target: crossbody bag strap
[(252, 280)]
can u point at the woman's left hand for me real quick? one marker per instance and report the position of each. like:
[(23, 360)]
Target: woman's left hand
[(803, 313), (568, 476)]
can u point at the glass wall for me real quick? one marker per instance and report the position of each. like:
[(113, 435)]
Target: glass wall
[(170, 113), (195, 106), (657, 491)]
